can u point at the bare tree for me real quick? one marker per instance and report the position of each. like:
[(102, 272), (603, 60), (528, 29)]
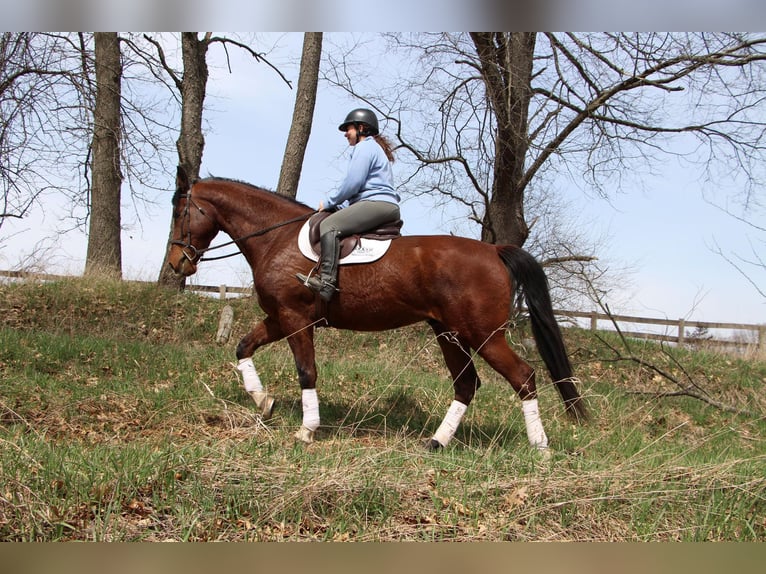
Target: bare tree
[(16, 93), (47, 106), (104, 242), (192, 88), (595, 105), (303, 115), (43, 116), (505, 63), (490, 119), (191, 142)]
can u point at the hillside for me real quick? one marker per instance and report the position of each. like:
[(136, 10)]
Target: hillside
[(122, 419)]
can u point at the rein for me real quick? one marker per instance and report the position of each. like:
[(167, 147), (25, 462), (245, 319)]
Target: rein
[(248, 236), (198, 252)]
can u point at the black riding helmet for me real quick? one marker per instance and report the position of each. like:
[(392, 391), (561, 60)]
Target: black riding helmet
[(361, 116)]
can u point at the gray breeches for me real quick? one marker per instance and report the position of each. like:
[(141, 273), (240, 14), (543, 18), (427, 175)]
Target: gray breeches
[(359, 217)]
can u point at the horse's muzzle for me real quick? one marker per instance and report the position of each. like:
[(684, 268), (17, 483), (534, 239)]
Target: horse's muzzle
[(183, 268), (181, 262)]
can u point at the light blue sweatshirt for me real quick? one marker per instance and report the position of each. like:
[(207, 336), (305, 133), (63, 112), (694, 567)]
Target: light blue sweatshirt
[(369, 176)]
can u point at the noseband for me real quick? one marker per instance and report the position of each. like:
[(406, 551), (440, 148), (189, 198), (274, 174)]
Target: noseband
[(191, 253)]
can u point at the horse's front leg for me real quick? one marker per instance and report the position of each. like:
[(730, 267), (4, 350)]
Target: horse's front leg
[(267, 331), (302, 345)]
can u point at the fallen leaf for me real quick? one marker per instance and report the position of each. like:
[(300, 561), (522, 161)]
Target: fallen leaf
[(518, 497)]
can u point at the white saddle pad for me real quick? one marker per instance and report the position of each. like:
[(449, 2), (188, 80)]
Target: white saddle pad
[(367, 251)]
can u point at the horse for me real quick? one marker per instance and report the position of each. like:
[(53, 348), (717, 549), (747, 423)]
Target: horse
[(463, 288)]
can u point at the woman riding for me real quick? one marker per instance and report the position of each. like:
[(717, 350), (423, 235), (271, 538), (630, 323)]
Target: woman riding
[(368, 188)]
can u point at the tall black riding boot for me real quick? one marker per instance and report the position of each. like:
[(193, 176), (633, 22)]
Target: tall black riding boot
[(325, 284)]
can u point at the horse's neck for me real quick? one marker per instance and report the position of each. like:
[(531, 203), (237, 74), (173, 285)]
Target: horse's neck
[(244, 212)]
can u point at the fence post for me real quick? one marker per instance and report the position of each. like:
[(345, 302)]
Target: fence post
[(681, 329), (593, 321), (222, 291), (224, 325)]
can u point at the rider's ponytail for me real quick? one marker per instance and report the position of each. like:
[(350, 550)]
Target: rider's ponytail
[(386, 145)]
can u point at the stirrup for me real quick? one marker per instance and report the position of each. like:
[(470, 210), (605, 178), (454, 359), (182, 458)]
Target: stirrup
[(325, 289), (308, 281)]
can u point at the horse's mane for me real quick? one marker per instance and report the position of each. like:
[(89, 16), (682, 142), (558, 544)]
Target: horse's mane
[(212, 179)]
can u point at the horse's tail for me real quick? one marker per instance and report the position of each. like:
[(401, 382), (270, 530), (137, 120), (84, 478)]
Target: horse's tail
[(531, 281)]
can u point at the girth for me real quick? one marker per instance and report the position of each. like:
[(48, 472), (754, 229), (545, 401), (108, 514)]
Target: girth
[(389, 230)]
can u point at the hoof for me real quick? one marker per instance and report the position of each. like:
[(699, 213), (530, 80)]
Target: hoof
[(433, 445), (264, 402), (267, 408), (305, 435), (545, 454)]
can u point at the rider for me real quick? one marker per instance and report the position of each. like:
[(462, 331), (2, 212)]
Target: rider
[(369, 190)]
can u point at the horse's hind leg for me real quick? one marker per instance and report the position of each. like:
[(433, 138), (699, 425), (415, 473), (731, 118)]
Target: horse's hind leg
[(500, 356), (465, 381), (267, 331)]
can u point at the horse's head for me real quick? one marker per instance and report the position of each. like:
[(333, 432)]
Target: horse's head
[(193, 228)]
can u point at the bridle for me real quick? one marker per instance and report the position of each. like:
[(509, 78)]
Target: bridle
[(194, 255)]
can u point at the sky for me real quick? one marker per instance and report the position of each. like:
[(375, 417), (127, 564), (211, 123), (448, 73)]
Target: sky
[(663, 233)]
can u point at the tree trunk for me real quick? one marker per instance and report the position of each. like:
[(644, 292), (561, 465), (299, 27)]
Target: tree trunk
[(104, 253), (191, 142), (506, 66), (303, 114)]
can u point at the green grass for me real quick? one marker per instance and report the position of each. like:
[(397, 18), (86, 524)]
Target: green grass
[(121, 419)]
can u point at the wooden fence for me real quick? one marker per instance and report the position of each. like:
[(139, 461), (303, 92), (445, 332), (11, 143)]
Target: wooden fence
[(678, 331), (223, 290)]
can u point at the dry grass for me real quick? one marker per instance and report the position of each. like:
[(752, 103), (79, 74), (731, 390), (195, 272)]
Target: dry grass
[(120, 419)]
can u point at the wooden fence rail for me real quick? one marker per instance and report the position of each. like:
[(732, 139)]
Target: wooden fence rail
[(680, 326), (222, 290)]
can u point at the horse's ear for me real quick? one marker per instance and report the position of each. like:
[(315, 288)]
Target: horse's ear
[(182, 180)]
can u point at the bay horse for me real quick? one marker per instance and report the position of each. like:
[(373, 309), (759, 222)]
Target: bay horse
[(463, 288)]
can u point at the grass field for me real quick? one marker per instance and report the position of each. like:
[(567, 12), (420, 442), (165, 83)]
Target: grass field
[(121, 419)]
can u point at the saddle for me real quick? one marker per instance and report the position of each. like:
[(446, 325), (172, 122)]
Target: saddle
[(388, 230)]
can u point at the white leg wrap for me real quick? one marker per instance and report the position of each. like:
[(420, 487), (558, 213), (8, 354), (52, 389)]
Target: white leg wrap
[(451, 421), (310, 403), (535, 431), (250, 376)]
